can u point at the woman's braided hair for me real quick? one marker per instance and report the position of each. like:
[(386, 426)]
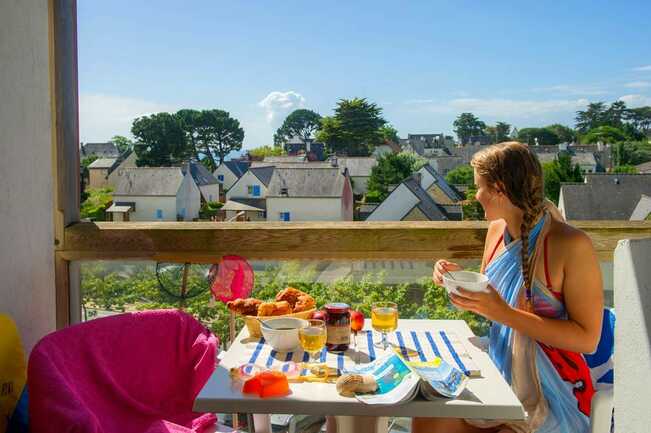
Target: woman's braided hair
[(514, 169)]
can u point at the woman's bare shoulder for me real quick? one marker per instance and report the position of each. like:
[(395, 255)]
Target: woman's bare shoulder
[(564, 237)]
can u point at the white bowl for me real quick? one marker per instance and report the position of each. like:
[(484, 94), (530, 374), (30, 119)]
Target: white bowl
[(283, 340), (471, 281)]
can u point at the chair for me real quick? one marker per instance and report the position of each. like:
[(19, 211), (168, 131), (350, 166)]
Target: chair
[(129, 373), (601, 412)]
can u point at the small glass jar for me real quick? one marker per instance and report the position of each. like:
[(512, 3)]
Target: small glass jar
[(337, 326)]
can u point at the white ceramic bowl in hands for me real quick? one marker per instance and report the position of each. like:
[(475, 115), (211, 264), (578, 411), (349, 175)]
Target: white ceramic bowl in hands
[(286, 339), (471, 281)]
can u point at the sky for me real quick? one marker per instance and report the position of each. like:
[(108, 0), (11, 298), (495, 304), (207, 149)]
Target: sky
[(527, 63)]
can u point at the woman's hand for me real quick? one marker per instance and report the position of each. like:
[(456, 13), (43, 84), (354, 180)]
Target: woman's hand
[(488, 304), (439, 269)]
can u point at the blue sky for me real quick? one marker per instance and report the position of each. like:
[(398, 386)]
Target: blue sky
[(525, 63)]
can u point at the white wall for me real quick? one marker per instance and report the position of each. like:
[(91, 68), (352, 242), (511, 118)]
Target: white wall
[(393, 208), (209, 191), (240, 189), (304, 209), (146, 207), (26, 184), (633, 336), (188, 197), (229, 177)]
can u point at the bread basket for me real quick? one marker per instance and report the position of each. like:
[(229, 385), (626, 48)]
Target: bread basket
[(253, 325)]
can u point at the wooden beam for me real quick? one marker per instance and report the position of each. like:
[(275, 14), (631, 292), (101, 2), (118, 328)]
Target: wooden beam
[(205, 242), (65, 141)]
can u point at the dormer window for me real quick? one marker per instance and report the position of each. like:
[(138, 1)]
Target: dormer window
[(283, 191)]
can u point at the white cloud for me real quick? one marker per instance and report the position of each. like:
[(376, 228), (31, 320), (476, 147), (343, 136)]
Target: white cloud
[(638, 85), (280, 104), (102, 116), (573, 90), (645, 68), (636, 100)]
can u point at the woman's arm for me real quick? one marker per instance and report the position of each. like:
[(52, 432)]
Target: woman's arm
[(583, 295)]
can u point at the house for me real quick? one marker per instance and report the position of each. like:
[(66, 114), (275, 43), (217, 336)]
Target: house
[(98, 172), (604, 196), (313, 151), (421, 197), (310, 194), (445, 164), (387, 148), (126, 160), (285, 159), (208, 184), (100, 150), (359, 170), (479, 140), (229, 172), (252, 184), (644, 168), (245, 209), (155, 194), (642, 210), (585, 160)]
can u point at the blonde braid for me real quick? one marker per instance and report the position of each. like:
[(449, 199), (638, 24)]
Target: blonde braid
[(533, 208)]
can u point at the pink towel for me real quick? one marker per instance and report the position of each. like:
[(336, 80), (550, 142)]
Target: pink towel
[(131, 373)]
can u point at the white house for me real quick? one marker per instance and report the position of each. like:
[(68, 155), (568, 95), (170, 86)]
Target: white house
[(124, 161), (424, 196), (310, 194), (359, 170), (207, 183), (155, 194), (252, 184), (229, 172)]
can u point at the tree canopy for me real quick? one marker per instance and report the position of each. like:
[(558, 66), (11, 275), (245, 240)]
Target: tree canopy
[(604, 134), (544, 136), (122, 143), (389, 133), (467, 125), (160, 139), (462, 175), (499, 133), (300, 123), (391, 169), (557, 171), (355, 128)]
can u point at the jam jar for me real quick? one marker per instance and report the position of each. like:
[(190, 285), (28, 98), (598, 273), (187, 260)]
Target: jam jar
[(337, 326)]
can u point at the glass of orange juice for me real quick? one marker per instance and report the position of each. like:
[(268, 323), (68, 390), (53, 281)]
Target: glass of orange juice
[(384, 319), (313, 338)]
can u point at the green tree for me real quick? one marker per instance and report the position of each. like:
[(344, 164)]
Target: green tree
[(389, 133), (640, 119), (391, 169), (462, 175), (300, 123), (631, 152), (259, 153), (122, 143), (472, 209), (499, 133), (355, 128), (558, 171), (545, 137), (604, 134), (627, 169), (594, 116), (160, 140), (96, 203), (466, 125), (615, 114), (222, 134), (564, 133), (192, 124)]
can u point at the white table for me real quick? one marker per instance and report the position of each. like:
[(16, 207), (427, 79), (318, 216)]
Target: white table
[(488, 396)]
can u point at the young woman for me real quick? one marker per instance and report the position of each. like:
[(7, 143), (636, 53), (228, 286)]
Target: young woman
[(545, 299)]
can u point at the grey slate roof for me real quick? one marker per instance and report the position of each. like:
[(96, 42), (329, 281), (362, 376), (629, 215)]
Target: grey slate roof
[(285, 158), (201, 175), (258, 203), (426, 204), (102, 150), (605, 196), (644, 167), (237, 167), (357, 167), (103, 163), (448, 189), (307, 182), (150, 181), (263, 173), (642, 210)]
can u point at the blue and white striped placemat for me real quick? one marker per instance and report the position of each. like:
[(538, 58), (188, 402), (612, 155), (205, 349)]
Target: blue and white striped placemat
[(413, 345)]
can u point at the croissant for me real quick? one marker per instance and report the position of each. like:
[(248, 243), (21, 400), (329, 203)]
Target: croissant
[(291, 295), (274, 308), (304, 303), (245, 307)]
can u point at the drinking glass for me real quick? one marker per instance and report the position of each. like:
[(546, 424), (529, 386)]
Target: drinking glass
[(384, 319), (313, 338)]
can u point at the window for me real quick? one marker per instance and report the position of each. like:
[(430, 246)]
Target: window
[(220, 177), (183, 213), (159, 214), (283, 191), (285, 216), (254, 190)]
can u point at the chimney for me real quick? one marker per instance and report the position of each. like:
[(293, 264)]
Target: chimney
[(333, 161)]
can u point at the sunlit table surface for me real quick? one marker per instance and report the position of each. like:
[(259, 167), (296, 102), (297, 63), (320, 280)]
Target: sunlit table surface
[(487, 396)]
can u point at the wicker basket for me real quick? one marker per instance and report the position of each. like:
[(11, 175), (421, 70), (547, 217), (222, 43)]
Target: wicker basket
[(253, 325)]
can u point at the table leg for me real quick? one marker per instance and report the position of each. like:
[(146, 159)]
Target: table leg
[(357, 424), (261, 423)]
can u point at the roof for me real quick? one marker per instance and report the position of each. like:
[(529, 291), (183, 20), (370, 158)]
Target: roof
[(285, 158), (358, 167), (237, 167), (150, 181), (259, 204), (201, 175), (448, 189), (307, 182), (103, 163), (119, 208), (101, 150), (307, 164), (580, 158), (642, 210), (644, 167), (263, 173), (605, 196), (426, 203), (238, 206)]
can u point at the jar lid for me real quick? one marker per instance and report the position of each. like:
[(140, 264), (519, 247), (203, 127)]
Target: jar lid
[(338, 307)]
